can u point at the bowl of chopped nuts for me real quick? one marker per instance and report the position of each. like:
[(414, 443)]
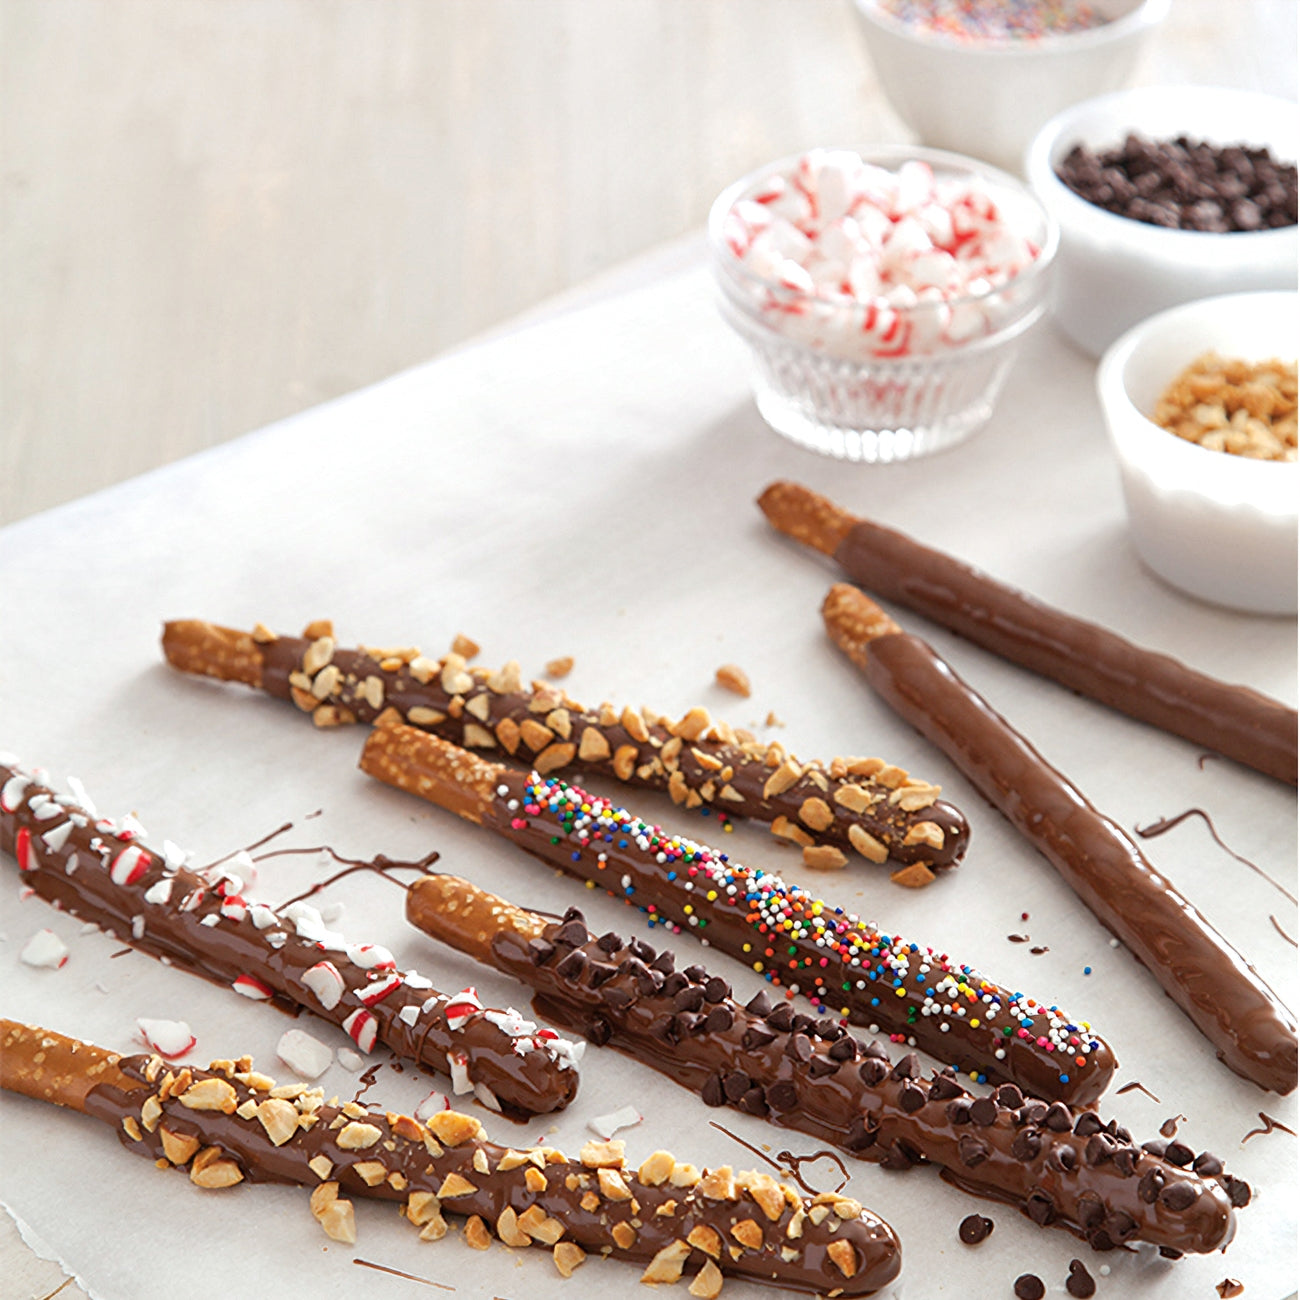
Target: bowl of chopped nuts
[(1200, 403), (1164, 195)]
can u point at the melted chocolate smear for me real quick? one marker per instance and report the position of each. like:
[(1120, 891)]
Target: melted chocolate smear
[(62, 1285), (1200, 761), (1170, 1126), (367, 1081), (1168, 824), (1269, 1124), (121, 952), (1278, 927), (256, 844), (1038, 952), (1018, 938), (787, 1162), (397, 1272), (381, 865), (1140, 1087)]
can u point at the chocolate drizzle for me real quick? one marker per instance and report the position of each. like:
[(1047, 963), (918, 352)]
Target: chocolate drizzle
[(1140, 1087), (1056, 1164), (1252, 1032), (1269, 1125), (99, 872)]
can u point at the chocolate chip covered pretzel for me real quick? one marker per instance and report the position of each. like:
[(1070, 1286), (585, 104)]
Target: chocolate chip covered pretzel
[(1232, 720), (229, 1123), (98, 869), (847, 968), (864, 805), (1058, 1164), (1252, 1032)]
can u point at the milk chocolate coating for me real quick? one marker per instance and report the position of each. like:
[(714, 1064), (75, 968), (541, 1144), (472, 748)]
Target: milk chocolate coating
[(1234, 721), (1057, 1164), (400, 1159), (68, 856), (1252, 1032), (491, 712)]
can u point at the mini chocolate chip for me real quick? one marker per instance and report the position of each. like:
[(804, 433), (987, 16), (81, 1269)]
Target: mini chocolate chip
[(712, 1094), (752, 1102), (648, 983), (695, 973), (665, 1028), (908, 1067), (600, 973), (1120, 1226), (873, 1071), (716, 989), (984, 1111), (1009, 1097), (843, 1049), (759, 1005), (673, 984), (1080, 1283), (799, 1047), (1126, 1159), (540, 951), (1207, 1165), (1034, 1112), (859, 1137), (642, 951), (1180, 1154), (1149, 1186), (1090, 1210), (822, 1065), (911, 1098), (635, 967), (958, 1111), (1177, 1196), (573, 965), (781, 1017), (572, 934), (1155, 1148), (1099, 1240), (1058, 1118), (665, 963), (1119, 1132), (609, 942), (783, 1095), (1168, 1252), (1098, 1150), (599, 1032), (736, 1085), (1026, 1144), (1040, 1207), (971, 1151), (900, 1156), (801, 1024), (1062, 1156), (719, 1020), (574, 914), (1087, 1124), (691, 998), (1030, 1287), (943, 1087), (974, 1228), (1238, 1190), (688, 1022), (756, 1036)]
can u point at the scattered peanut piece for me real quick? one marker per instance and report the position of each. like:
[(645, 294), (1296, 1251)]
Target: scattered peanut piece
[(561, 667), (464, 646), (773, 721), (914, 876), (733, 678)]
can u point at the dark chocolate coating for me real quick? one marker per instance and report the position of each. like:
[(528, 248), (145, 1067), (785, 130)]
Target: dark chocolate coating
[(814, 1077), (77, 876), (858, 972), (399, 1161), (1252, 1032), (1234, 721)]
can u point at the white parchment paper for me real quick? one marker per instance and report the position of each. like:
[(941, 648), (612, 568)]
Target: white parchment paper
[(585, 487)]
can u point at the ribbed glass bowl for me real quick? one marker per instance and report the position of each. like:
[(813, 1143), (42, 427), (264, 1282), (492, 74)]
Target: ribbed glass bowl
[(823, 378)]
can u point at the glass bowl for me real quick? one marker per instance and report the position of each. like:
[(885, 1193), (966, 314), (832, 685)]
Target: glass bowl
[(866, 380)]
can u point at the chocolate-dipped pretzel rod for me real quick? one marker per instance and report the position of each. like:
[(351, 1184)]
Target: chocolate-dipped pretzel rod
[(1154, 688), (846, 967), (100, 871), (1252, 1032), (1057, 1164), (229, 1123), (863, 804)]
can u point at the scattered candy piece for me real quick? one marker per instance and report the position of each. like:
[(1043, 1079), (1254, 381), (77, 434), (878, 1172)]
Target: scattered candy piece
[(325, 982), (45, 950), (606, 1126), (306, 1056), (349, 1059), (431, 1105), (169, 1038)]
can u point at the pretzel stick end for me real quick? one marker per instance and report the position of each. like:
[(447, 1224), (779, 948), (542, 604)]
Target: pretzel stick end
[(46, 1066), (466, 917), (194, 646), (425, 765), (853, 620), (806, 516)]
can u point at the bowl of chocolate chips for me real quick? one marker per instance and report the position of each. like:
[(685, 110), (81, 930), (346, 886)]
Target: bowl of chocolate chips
[(1165, 195)]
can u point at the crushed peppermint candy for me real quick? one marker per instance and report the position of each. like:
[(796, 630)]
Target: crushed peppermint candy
[(169, 1038), (461, 1007), (325, 982), (431, 1105), (605, 1126), (363, 1029), (44, 950), (306, 1056), (349, 1059)]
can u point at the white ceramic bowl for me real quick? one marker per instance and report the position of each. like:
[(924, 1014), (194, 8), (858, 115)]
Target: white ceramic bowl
[(1215, 525), (818, 377), (1114, 271), (987, 98)]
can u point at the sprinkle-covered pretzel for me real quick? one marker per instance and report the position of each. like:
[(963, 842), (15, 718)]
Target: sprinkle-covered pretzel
[(863, 806)]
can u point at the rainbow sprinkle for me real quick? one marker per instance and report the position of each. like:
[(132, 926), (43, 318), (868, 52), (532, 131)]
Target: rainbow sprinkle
[(800, 942), (996, 20)]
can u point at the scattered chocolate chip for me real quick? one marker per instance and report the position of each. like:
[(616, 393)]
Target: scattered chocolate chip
[(1080, 1283), (911, 1098), (829, 1030), (759, 1005), (1126, 1159), (1040, 1207), (673, 984), (1230, 1288), (712, 1093), (648, 983), (1154, 1148), (1090, 1209), (1062, 1156), (716, 989), (1178, 1153), (1030, 1287), (974, 1228), (1177, 1196), (642, 951), (574, 914), (801, 1024), (1207, 1165), (983, 1111), (1238, 1191), (600, 973), (900, 1156), (1034, 1112), (1169, 1252), (1098, 1150), (1039, 951), (876, 1048)]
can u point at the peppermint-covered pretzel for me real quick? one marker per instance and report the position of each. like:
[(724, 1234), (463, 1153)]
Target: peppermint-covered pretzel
[(863, 805), (1058, 1164), (1232, 720), (229, 1123), (1252, 1032), (847, 967), (99, 869)]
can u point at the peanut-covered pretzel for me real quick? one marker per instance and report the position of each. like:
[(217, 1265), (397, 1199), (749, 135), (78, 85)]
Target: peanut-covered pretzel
[(1235, 721), (863, 805), (847, 967), (1252, 1032), (99, 870), (1058, 1164), (229, 1123)]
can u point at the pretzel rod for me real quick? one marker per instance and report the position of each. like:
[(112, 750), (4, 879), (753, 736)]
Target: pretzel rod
[(846, 967), (1252, 1032), (1235, 721), (228, 1123), (99, 870), (859, 804), (1057, 1164)]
